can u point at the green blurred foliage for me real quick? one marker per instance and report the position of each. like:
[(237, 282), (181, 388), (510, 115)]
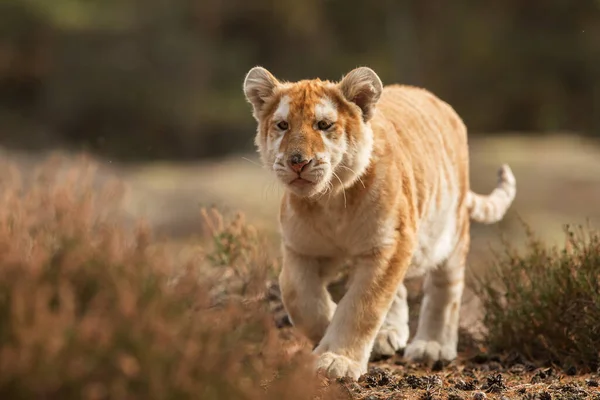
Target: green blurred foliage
[(158, 78)]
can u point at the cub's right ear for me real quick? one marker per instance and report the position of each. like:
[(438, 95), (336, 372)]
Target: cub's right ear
[(259, 85)]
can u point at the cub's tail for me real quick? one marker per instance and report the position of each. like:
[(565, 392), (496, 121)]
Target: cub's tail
[(491, 208)]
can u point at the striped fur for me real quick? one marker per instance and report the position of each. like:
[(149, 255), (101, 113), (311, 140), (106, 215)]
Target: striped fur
[(377, 176)]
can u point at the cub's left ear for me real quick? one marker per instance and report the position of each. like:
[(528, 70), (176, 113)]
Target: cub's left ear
[(363, 87), (259, 85)]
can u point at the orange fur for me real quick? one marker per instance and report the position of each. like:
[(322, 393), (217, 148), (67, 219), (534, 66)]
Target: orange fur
[(378, 176)]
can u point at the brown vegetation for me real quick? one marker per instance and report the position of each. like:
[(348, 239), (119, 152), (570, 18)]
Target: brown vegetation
[(90, 309)]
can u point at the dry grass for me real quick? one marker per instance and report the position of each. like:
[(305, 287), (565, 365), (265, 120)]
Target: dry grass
[(90, 309), (545, 301)]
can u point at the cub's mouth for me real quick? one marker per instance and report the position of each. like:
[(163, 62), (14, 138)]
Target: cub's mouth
[(301, 182)]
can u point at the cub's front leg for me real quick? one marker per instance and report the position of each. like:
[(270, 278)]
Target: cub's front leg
[(347, 344), (303, 282)]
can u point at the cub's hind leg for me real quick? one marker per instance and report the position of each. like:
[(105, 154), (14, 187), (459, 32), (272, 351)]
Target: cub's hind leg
[(393, 334), (303, 282), (437, 333)]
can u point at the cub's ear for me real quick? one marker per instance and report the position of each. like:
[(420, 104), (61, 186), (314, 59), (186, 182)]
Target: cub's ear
[(259, 85), (363, 87)]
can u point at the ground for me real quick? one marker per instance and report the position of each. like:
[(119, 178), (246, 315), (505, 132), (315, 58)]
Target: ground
[(473, 377), (475, 374)]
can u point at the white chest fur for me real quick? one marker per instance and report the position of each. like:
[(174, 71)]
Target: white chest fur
[(335, 232)]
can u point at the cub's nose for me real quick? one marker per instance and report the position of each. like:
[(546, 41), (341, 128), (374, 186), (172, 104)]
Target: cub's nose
[(297, 162)]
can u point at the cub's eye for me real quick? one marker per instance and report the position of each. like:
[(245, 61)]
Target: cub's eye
[(283, 125), (324, 125)]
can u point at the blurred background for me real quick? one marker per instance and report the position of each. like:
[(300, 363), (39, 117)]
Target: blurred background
[(153, 88)]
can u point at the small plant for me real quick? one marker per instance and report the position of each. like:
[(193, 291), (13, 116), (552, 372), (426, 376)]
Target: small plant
[(238, 253), (234, 242), (545, 303)]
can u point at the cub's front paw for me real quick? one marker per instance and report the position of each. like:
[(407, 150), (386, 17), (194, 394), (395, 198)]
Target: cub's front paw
[(389, 341), (337, 366), (430, 351)]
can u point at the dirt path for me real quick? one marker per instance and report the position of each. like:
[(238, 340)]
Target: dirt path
[(472, 376)]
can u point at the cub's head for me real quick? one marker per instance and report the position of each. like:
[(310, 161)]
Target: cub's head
[(314, 134)]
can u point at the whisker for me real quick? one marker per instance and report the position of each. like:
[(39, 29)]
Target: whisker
[(251, 162), (354, 172), (269, 187), (343, 189), (328, 190), (330, 185)]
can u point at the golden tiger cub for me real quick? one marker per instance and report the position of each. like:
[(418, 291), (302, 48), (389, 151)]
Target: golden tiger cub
[(378, 176)]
